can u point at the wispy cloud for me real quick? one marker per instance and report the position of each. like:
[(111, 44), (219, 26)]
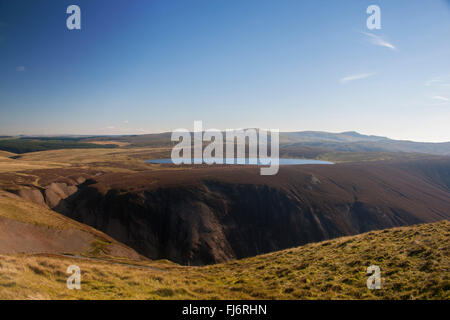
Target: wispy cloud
[(432, 82), (440, 98), (438, 81), (355, 77), (20, 69), (378, 41)]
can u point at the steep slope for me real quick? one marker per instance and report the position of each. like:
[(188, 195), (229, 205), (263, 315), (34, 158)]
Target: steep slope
[(214, 214), (414, 263), (27, 227)]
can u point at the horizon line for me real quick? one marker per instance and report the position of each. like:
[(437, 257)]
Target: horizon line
[(221, 130)]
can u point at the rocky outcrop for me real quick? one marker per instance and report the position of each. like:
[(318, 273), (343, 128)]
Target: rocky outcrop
[(32, 195), (49, 196), (56, 192)]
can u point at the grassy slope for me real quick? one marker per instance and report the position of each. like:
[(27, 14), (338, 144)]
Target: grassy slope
[(107, 159), (414, 262), (6, 154), (27, 227)]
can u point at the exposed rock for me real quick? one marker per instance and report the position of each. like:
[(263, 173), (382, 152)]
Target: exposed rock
[(208, 215), (56, 192), (32, 195)]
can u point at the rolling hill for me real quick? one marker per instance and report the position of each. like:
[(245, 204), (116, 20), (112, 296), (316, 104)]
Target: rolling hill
[(414, 263), (304, 143)]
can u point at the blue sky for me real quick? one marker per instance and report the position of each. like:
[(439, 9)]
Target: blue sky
[(152, 66)]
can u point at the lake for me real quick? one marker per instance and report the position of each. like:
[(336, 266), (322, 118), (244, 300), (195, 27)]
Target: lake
[(283, 161)]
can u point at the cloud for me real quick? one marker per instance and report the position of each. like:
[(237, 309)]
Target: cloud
[(378, 41), (440, 98), (126, 122), (432, 82), (438, 81), (20, 69), (355, 77)]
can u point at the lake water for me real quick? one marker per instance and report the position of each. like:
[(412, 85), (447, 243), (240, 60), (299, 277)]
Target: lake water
[(283, 161)]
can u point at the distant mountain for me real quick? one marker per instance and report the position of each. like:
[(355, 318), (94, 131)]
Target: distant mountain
[(355, 142), (313, 136), (319, 141), (302, 143)]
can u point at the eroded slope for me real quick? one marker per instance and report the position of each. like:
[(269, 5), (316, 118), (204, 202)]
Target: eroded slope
[(30, 228), (214, 214)]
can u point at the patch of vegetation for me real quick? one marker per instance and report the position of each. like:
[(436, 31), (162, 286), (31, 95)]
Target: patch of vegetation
[(99, 246), (24, 145)]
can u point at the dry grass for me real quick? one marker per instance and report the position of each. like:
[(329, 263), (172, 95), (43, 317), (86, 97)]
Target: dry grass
[(14, 208), (109, 160), (11, 165), (18, 173), (6, 154), (27, 227), (414, 263)]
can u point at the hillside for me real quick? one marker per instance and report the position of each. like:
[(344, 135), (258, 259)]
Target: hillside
[(319, 142), (32, 144), (414, 263), (30, 228), (300, 144), (6, 154), (203, 215)]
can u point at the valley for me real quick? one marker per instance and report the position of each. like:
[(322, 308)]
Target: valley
[(196, 215), (111, 212)]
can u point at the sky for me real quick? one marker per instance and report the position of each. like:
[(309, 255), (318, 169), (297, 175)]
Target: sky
[(154, 66)]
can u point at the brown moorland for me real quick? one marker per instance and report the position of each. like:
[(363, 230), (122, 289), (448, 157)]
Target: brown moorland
[(210, 214)]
